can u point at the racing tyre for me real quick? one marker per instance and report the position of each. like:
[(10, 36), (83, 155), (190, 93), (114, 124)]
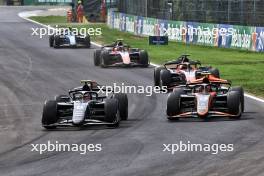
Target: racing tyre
[(104, 60), (122, 105), (165, 78), (62, 98), (87, 41), (234, 104), (174, 103), (97, 54), (143, 58), (51, 40), (49, 115), (111, 112), (215, 72), (241, 92), (157, 71), (56, 42)]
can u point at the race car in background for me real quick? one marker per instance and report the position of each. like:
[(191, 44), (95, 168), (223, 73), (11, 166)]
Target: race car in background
[(180, 72), (120, 54), (205, 99), (85, 106), (70, 39)]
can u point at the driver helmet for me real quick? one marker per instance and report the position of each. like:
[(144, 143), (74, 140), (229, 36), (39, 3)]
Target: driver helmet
[(86, 97), (183, 67), (86, 87), (119, 43)]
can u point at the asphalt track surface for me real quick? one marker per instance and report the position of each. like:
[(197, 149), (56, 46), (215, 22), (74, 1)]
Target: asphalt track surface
[(31, 72)]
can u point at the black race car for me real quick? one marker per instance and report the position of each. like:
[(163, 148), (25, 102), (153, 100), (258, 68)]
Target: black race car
[(69, 38), (120, 54), (180, 72), (85, 106)]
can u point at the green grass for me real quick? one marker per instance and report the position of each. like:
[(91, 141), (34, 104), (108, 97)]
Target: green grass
[(243, 68), (50, 19)]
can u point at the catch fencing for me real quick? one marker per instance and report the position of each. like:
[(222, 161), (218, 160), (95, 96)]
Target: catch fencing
[(209, 34), (238, 12)]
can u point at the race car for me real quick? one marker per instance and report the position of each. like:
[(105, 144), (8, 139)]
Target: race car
[(205, 99), (70, 39), (120, 54), (180, 72), (83, 106)]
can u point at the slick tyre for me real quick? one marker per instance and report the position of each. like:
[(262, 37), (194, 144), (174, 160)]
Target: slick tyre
[(143, 58), (165, 78), (157, 71), (234, 104), (122, 105), (87, 42), (111, 112), (97, 54), (49, 115), (104, 59), (56, 42), (51, 40), (215, 72), (241, 92), (174, 103)]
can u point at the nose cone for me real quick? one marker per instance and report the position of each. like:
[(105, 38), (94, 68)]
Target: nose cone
[(79, 112), (202, 104)]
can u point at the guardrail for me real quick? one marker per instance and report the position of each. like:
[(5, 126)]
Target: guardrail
[(208, 34)]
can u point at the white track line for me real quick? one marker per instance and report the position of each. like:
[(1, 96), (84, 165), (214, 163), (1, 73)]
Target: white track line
[(25, 16)]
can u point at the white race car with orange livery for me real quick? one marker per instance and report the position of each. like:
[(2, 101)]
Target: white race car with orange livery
[(120, 54), (205, 98), (180, 72)]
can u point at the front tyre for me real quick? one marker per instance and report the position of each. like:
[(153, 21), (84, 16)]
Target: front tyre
[(97, 55), (157, 71), (234, 104), (111, 112), (51, 40), (49, 115), (104, 59), (56, 41), (174, 103), (241, 92), (87, 42), (143, 58)]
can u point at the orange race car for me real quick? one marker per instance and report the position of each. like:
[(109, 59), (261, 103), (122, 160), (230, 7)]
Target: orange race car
[(204, 98)]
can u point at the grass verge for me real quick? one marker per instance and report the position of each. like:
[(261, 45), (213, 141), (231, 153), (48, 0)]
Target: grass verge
[(243, 68)]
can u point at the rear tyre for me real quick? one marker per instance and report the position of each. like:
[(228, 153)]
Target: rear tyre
[(111, 112), (165, 78), (234, 104), (97, 54), (157, 71), (122, 105), (215, 72), (51, 40), (241, 92), (174, 103), (143, 58), (49, 115)]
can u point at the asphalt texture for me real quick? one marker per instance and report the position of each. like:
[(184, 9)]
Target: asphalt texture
[(31, 72)]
